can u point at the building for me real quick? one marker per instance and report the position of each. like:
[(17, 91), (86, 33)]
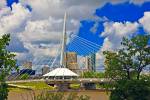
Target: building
[(27, 71), (71, 61), (73, 67), (61, 73), (71, 57), (27, 65), (45, 70), (91, 62)]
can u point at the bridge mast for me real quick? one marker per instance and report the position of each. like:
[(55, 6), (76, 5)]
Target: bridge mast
[(63, 51)]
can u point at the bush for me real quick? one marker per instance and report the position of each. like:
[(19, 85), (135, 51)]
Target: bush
[(50, 96), (3, 91), (92, 74), (60, 96), (131, 90), (75, 86)]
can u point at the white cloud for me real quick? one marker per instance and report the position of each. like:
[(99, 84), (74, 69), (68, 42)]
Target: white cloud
[(40, 30), (139, 1), (119, 29), (38, 51), (107, 45), (46, 30), (56, 8), (11, 21), (23, 56), (4, 11), (145, 21), (2, 4), (77, 9), (47, 18), (44, 25), (113, 33)]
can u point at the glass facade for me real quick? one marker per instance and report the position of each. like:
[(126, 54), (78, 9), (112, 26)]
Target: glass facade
[(91, 62)]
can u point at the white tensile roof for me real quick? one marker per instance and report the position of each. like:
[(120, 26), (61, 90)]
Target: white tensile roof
[(61, 72)]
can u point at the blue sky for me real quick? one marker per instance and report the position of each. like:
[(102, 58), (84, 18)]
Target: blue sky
[(121, 12), (99, 22), (10, 2)]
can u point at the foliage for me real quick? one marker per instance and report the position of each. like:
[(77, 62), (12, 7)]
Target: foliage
[(60, 96), (50, 96), (131, 90), (72, 96), (145, 77), (3, 91), (24, 76), (92, 74), (124, 67), (7, 63), (83, 97), (129, 61), (74, 86)]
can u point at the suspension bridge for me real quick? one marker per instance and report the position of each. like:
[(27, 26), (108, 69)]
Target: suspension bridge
[(60, 74)]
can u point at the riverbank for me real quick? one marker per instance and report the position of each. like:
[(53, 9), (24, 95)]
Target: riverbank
[(28, 94)]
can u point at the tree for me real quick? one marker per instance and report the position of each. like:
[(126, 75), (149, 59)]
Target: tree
[(131, 90), (129, 61), (7, 63), (125, 65), (92, 74)]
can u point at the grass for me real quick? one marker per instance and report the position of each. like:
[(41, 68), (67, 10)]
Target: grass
[(34, 85), (12, 89), (74, 86)]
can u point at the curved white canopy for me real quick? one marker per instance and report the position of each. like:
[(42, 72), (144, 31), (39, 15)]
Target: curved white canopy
[(61, 72)]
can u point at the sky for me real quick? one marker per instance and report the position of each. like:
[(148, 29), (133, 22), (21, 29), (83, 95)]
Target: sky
[(95, 25)]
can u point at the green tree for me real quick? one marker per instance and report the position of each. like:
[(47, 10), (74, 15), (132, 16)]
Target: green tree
[(131, 90), (124, 67), (129, 61), (7, 63), (92, 74)]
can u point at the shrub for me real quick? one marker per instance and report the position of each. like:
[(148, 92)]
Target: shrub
[(92, 74), (75, 86), (60, 96), (3, 91), (131, 90)]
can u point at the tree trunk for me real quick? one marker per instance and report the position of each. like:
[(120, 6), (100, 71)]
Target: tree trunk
[(139, 71), (138, 76), (128, 75)]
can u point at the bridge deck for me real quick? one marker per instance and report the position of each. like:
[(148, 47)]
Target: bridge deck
[(52, 81)]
